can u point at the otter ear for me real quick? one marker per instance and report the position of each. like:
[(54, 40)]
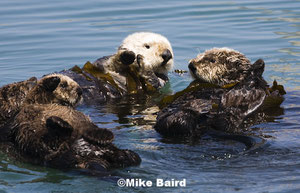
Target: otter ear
[(127, 57), (58, 127), (51, 83), (258, 67)]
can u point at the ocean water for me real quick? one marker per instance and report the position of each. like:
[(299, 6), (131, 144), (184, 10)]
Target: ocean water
[(39, 37)]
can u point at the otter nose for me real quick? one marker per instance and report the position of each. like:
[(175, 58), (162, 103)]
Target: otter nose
[(192, 67), (79, 91), (166, 55)]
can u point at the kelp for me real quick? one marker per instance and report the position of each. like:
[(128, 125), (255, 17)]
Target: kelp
[(178, 71), (271, 100), (78, 70), (277, 87), (135, 83), (95, 72), (195, 85), (274, 96)]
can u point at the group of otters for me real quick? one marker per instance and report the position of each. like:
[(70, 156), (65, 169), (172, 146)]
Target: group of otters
[(39, 122)]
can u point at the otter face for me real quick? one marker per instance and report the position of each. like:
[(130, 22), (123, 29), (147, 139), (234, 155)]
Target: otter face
[(220, 66), (154, 49), (65, 91)]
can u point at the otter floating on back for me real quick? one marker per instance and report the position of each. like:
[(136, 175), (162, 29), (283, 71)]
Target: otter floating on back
[(227, 90), (45, 129), (53, 88), (140, 65)]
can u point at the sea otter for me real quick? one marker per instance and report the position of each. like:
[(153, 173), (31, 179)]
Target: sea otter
[(53, 88), (227, 90), (140, 65), (47, 130), (12, 97), (61, 137)]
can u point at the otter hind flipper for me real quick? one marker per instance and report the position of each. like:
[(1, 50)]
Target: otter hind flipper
[(243, 100), (98, 136), (121, 157), (251, 142)]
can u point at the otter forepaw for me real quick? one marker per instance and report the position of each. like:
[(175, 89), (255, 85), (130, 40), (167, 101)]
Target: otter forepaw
[(51, 83), (127, 57), (58, 127)]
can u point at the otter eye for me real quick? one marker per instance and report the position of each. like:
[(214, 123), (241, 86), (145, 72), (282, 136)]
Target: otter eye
[(64, 85), (147, 46)]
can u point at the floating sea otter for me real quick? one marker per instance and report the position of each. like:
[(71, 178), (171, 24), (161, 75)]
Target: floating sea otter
[(227, 90), (140, 65), (12, 97), (46, 129)]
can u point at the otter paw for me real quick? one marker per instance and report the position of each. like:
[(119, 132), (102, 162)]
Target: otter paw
[(98, 136), (126, 158), (258, 67), (58, 127), (51, 83), (127, 57), (180, 123)]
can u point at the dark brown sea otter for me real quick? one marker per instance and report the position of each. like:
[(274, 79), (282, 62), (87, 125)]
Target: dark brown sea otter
[(228, 89), (46, 129), (59, 136)]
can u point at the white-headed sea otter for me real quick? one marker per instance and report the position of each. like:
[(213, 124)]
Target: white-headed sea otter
[(140, 65)]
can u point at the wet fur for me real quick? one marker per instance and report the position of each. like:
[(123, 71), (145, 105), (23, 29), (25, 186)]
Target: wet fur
[(61, 137), (12, 97), (55, 88), (225, 66), (221, 107), (47, 130)]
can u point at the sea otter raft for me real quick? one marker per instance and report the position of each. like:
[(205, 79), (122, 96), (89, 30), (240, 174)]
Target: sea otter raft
[(227, 89)]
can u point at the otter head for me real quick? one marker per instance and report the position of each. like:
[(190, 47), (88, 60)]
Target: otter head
[(55, 88), (224, 66), (153, 52)]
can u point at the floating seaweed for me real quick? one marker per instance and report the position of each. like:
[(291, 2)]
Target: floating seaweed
[(135, 83), (274, 96)]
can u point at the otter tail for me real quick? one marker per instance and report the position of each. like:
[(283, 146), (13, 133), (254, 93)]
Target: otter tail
[(251, 142)]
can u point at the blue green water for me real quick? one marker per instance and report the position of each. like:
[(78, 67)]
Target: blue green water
[(39, 37)]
